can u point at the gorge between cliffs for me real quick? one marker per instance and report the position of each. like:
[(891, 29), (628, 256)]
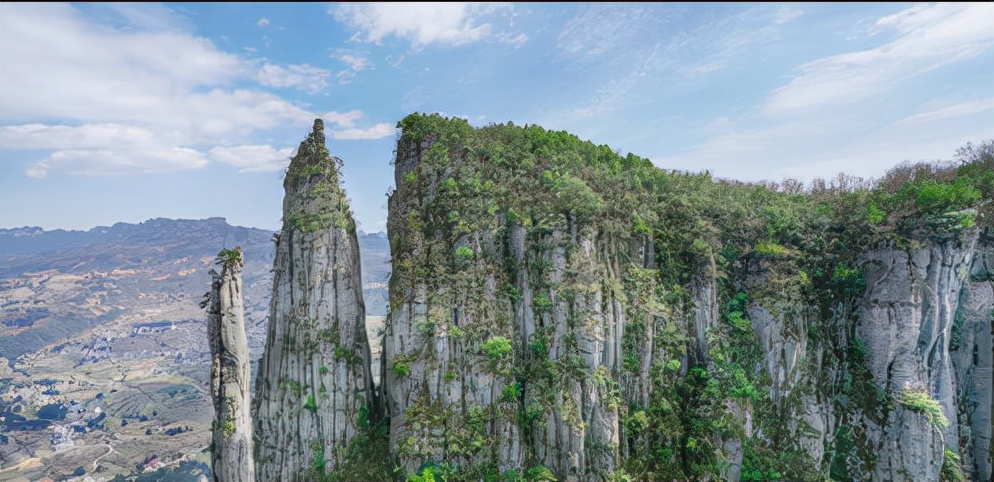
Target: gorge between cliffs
[(560, 312)]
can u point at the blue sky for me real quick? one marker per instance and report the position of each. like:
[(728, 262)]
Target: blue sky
[(125, 112)]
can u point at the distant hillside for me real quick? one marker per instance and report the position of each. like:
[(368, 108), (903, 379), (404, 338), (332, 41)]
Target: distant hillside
[(103, 342), (55, 283)]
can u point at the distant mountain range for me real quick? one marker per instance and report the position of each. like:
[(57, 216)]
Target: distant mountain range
[(114, 311), (54, 283)]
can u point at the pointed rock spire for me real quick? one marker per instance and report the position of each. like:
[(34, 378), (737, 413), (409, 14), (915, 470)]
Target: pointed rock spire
[(314, 379)]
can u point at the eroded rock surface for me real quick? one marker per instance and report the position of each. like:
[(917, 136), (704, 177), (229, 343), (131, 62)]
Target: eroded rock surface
[(314, 380), (231, 453), (532, 329)]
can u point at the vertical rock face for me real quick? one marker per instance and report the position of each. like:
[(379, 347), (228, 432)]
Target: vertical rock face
[(454, 351), (906, 321), (972, 351), (314, 381), (537, 326), (506, 338), (231, 456)]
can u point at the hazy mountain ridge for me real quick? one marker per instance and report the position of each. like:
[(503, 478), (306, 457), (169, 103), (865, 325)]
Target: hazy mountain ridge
[(56, 283), (114, 311)]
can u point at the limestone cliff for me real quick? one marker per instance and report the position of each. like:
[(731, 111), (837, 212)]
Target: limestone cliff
[(972, 351), (314, 381), (231, 444), (560, 311)]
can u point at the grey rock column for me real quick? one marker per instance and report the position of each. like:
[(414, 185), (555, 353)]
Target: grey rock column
[(314, 382), (231, 456)]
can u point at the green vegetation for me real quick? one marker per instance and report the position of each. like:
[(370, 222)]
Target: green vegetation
[(951, 470), (318, 464), (491, 223), (229, 257), (366, 457), (401, 369), (497, 348), (464, 253), (228, 426), (442, 472), (920, 401), (316, 175), (770, 249)]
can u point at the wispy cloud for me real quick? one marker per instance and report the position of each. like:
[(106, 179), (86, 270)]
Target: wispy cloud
[(99, 149), (949, 112), (250, 158), (786, 14), (929, 36), (608, 49), (146, 160), (599, 28), (299, 76), (90, 136), (142, 16), (852, 113), (378, 131), (347, 130), (423, 24), (512, 38), (355, 61)]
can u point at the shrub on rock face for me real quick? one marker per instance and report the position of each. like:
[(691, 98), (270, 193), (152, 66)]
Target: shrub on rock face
[(497, 348), (920, 401), (951, 470)]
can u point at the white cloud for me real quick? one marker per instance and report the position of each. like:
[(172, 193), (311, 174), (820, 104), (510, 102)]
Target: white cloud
[(56, 65), (38, 171), (378, 131), (753, 148), (512, 38), (601, 28), (930, 36), (342, 119), (957, 110), (345, 76), (355, 62), (103, 100), (447, 24), (624, 57), (347, 130), (143, 16), (786, 14), (148, 158), (89, 136), (250, 158), (299, 76), (702, 69), (856, 100), (98, 149)]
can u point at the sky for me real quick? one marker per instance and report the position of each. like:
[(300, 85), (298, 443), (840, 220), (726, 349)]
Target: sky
[(126, 112)]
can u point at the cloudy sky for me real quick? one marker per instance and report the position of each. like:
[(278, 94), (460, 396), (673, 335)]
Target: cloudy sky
[(125, 112)]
